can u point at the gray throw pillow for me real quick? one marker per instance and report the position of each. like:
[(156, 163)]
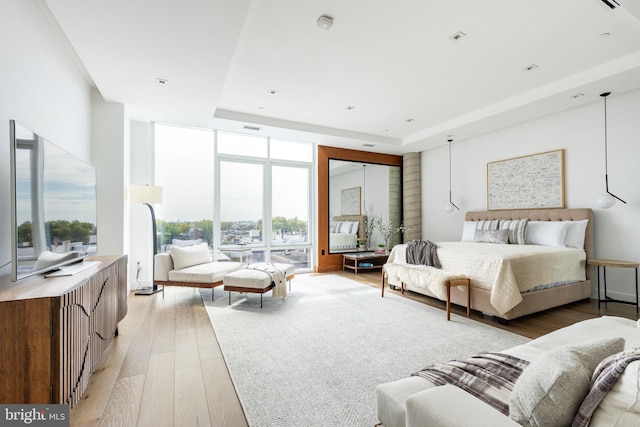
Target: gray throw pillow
[(550, 390)]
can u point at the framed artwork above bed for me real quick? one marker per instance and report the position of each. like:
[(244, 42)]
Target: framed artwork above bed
[(350, 201), (528, 182)]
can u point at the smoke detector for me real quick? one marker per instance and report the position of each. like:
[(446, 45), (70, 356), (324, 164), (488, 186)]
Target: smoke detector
[(325, 22)]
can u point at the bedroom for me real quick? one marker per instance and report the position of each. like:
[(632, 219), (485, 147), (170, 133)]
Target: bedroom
[(119, 143)]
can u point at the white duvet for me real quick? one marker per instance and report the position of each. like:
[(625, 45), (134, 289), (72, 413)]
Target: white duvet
[(506, 270)]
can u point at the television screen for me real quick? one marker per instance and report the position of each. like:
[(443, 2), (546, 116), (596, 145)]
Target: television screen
[(53, 205)]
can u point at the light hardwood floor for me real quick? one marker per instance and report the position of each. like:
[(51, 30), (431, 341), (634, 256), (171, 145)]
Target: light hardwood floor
[(165, 368)]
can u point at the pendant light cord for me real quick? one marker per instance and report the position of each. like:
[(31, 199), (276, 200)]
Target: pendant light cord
[(452, 204), (606, 150)]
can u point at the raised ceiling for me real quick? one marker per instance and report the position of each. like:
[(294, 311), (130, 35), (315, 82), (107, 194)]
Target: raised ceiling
[(385, 77)]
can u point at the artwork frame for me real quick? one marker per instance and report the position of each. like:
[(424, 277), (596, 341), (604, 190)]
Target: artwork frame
[(535, 181), (350, 201)]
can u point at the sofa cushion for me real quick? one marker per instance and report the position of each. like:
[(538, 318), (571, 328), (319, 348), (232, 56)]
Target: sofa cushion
[(550, 390), (211, 272), (190, 255)]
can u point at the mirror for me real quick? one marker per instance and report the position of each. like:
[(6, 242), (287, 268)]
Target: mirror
[(361, 192)]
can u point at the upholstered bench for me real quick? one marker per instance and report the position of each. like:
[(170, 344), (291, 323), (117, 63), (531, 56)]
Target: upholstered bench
[(260, 278), (191, 266)]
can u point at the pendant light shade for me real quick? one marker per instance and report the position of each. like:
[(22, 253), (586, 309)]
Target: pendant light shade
[(607, 200), (450, 207)]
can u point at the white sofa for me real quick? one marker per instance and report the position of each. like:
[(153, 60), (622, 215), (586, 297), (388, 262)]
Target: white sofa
[(415, 401), (191, 266)]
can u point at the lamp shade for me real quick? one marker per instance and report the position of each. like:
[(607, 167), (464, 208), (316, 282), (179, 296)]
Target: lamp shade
[(150, 194), (605, 201)]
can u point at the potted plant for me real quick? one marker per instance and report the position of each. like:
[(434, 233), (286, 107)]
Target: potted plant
[(388, 230)]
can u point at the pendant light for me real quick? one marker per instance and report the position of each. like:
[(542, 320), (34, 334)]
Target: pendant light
[(608, 199), (450, 206)]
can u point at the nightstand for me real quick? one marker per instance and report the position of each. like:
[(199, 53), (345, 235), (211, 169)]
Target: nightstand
[(604, 263)]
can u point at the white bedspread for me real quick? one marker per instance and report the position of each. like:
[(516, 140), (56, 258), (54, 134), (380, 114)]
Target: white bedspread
[(506, 270), (343, 240)]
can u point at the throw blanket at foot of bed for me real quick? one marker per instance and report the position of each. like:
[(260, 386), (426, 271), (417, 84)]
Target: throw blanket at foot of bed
[(488, 376), (430, 278)]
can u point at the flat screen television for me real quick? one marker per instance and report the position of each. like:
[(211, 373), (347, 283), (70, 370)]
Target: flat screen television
[(53, 205)]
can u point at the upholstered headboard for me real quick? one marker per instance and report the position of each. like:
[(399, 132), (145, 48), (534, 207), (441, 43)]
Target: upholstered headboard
[(362, 220), (546, 215)]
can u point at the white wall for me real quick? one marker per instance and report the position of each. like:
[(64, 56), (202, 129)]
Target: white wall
[(110, 154), (40, 87), (142, 172), (580, 132)]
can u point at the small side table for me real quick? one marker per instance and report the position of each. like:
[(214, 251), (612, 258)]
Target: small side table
[(604, 263)]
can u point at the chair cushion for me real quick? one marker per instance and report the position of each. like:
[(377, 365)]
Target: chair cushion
[(210, 272), (190, 255), (248, 278)]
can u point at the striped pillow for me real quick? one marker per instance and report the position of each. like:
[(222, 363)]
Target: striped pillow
[(516, 229), (488, 224)]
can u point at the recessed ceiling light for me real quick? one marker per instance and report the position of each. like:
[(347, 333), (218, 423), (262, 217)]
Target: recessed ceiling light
[(410, 120), (248, 127), (273, 91), (457, 36), (162, 81), (260, 108), (325, 22), (368, 145), (604, 35), (531, 67), (350, 107), (577, 95)]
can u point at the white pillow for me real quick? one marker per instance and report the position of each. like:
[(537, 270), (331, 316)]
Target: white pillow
[(621, 405), (355, 225), (187, 256), (468, 231), (575, 234), (547, 233), (345, 227)]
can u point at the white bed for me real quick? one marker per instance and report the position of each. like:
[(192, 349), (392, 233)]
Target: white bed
[(344, 232), (510, 280)]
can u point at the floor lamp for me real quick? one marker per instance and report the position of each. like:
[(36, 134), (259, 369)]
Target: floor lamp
[(148, 195)]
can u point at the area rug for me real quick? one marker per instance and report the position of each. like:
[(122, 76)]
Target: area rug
[(315, 358)]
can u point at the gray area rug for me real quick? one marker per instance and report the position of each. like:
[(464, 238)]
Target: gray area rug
[(315, 358)]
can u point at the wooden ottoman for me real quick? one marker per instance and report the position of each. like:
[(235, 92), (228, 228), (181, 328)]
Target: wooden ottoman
[(259, 278)]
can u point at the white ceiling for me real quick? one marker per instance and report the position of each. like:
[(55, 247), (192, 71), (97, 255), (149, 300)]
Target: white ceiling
[(392, 61)]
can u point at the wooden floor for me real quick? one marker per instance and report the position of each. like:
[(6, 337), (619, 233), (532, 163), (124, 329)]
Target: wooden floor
[(165, 368)]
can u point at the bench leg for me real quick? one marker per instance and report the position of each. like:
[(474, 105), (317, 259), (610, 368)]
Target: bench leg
[(229, 297)]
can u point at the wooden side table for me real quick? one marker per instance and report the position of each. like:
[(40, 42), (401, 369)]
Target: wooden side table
[(604, 263)]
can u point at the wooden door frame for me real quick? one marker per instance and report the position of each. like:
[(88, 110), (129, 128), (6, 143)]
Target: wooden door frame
[(326, 261)]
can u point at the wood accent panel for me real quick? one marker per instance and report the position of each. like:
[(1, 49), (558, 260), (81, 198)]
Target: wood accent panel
[(55, 330), (326, 261)]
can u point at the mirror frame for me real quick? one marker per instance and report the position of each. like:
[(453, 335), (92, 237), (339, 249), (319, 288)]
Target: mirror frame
[(327, 261)]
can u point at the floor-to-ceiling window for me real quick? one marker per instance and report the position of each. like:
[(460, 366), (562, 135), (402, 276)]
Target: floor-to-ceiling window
[(263, 204), (248, 197), (184, 168)]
